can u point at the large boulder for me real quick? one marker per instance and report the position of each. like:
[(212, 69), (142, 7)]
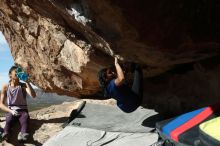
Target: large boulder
[(64, 43)]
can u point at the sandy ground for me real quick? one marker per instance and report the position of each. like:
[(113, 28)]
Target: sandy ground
[(47, 122)]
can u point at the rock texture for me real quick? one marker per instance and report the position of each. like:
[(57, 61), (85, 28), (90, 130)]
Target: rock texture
[(63, 43), (185, 88)]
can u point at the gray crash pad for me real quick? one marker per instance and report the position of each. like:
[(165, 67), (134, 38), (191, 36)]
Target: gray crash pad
[(76, 136), (101, 125), (112, 119)]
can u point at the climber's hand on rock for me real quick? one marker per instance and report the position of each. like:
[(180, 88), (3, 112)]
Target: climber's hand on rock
[(116, 61)]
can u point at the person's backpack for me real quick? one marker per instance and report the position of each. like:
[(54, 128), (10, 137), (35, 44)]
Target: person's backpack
[(184, 129)]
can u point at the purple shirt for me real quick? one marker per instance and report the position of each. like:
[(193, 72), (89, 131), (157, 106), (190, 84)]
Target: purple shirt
[(16, 97)]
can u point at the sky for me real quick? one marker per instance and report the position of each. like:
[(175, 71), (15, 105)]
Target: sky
[(6, 60)]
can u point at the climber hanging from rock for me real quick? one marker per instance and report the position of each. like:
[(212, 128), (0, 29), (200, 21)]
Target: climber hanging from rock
[(15, 93), (113, 83)]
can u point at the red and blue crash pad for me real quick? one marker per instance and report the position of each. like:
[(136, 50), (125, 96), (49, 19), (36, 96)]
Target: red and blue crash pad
[(185, 128)]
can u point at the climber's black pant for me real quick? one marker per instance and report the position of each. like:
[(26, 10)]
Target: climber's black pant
[(137, 86)]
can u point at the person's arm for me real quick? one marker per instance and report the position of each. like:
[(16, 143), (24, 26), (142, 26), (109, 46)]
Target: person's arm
[(120, 75), (3, 98), (30, 90)]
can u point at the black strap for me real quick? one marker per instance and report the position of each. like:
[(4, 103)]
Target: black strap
[(17, 105)]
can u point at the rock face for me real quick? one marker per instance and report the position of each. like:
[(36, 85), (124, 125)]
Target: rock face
[(65, 43)]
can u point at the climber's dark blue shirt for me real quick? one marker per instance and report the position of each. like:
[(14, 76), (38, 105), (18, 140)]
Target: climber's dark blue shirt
[(127, 100)]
